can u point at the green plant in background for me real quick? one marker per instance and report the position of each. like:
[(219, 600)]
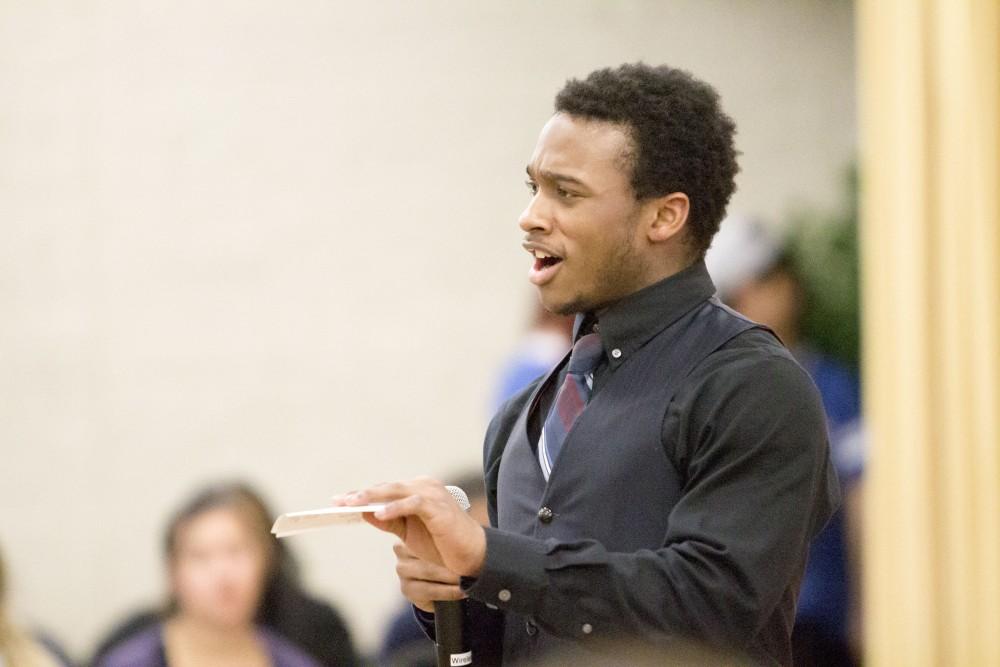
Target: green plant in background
[(824, 249)]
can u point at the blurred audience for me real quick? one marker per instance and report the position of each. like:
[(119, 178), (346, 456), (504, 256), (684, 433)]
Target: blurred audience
[(548, 339), (234, 597), (756, 275), (404, 643), (20, 648)]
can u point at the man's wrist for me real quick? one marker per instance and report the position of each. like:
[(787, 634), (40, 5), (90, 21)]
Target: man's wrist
[(478, 558), (513, 575)]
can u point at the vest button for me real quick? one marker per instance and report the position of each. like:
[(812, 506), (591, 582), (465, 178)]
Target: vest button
[(545, 515)]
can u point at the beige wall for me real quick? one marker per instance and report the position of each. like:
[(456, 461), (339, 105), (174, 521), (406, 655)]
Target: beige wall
[(277, 240)]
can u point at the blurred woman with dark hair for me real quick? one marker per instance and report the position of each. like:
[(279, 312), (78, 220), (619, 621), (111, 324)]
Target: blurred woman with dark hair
[(234, 597)]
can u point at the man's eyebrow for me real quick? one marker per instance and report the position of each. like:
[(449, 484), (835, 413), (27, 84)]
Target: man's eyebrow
[(555, 176)]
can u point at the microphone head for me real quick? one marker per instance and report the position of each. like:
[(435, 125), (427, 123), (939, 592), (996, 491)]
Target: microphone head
[(460, 497)]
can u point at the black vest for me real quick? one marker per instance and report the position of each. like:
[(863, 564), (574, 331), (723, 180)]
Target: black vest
[(615, 480)]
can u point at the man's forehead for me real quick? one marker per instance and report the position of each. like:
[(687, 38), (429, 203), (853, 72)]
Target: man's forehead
[(567, 140)]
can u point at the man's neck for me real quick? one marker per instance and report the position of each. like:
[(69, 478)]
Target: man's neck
[(671, 266), (650, 278)]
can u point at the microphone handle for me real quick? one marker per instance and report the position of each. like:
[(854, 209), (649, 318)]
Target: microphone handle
[(449, 621)]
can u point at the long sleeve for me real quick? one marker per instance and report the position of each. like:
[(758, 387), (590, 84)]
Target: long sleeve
[(750, 436)]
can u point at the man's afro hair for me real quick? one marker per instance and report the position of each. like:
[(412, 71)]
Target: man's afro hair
[(683, 142)]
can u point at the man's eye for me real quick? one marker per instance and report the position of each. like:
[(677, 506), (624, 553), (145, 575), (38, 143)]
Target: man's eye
[(532, 187), (564, 193)]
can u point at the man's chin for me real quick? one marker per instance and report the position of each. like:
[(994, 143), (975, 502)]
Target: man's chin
[(564, 305)]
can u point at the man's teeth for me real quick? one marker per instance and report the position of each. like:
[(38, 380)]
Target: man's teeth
[(542, 255)]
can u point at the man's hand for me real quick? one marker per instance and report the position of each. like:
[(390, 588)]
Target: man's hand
[(427, 519), (422, 583)]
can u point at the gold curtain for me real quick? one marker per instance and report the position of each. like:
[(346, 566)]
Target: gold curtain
[(929, 73)]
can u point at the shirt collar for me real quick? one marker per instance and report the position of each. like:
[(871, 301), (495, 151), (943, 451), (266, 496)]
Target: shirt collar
[(628, 324)]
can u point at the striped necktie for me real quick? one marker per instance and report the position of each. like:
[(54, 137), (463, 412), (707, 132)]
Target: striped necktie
[(571, 399)]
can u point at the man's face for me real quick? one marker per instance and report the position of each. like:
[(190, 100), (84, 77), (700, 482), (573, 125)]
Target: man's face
[(580, 224)]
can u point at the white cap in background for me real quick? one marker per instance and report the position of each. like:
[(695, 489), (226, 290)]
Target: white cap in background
[(742, 250)]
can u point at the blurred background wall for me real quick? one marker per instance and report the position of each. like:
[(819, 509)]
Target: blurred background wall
[(278, 241)]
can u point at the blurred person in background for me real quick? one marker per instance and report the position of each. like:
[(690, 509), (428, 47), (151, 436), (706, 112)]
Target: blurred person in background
[(756, 274), (405, 644), (546, 342), (234, 596), (20, 648)]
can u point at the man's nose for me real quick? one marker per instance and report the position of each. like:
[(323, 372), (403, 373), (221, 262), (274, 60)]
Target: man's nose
[(535, 217)]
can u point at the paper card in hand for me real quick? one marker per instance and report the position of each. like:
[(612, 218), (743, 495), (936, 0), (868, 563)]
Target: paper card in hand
[(309, 520)]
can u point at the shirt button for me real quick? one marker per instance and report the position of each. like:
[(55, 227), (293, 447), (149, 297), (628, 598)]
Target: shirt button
[(587, 628), (545, 515), (504, 595), (530, 628), (616, 353)]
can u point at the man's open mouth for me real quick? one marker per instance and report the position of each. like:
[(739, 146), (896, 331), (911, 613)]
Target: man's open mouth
[(545, 267), (544, 260)]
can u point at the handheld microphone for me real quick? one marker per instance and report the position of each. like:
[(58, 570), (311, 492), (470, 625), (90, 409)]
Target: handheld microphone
[(449, 616)]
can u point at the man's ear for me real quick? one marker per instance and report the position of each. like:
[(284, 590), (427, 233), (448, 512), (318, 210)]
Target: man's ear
[(668, 216)]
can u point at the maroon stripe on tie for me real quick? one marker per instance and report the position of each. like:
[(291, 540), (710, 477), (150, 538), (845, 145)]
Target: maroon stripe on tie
[(570, 403)]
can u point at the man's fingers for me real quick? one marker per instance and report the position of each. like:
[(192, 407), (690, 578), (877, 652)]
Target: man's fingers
[(422, 582), (402, 551), (424, 506), (388, 492), (416, 569), (404, 507), (397, 528), (341, 498), (421, 592), (381, 493)]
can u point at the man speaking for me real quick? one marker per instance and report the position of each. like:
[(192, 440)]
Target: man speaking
[(661, 484)]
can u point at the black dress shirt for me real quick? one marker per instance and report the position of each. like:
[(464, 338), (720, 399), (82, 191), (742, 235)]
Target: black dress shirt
[(683, 501)]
